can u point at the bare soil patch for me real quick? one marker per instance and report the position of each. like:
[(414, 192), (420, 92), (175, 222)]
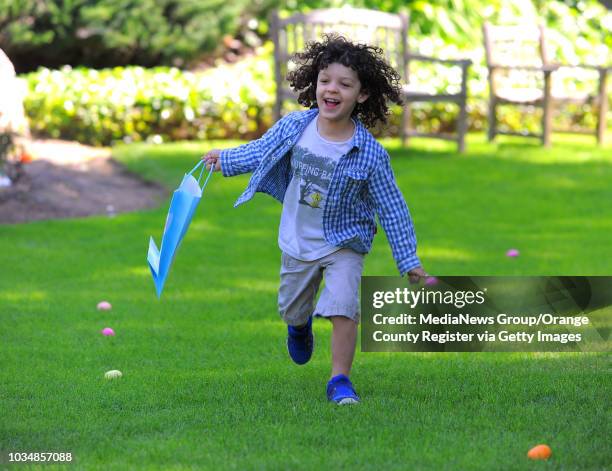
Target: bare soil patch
[(69, 180)]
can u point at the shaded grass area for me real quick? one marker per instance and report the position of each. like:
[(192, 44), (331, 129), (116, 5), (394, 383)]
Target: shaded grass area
[(207, 381)]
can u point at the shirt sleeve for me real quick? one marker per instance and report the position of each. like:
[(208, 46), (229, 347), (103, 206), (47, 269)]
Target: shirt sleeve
[(246, 158), (394, 216)]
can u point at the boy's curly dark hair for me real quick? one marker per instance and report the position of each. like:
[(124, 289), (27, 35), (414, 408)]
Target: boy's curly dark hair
[(377, 77)]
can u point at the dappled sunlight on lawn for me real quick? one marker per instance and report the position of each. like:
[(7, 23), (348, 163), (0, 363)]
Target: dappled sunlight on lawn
[(481, 359), (566, 148), (562, 183), (445, 253), (435, 145), (261, 286), (251, 234), (142, 271), (273, 326), (197, 293), (200, 225), (28, 295), (578, 360), (272, 323)]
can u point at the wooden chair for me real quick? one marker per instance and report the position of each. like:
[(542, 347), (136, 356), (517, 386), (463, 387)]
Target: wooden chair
[(521, 73), (386, 30)]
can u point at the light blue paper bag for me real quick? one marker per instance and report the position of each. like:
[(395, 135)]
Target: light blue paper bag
[(182, 208)]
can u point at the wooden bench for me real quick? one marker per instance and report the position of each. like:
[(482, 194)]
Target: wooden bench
[(385, 30), (521, 74)]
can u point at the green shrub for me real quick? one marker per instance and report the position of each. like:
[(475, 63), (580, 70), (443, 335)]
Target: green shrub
[(134, 103), (236, 101), (459, 22), (229, 101), (107, 33)]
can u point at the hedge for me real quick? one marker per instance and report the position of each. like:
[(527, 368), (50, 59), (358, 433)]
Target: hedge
[(230, 101), (162, 103), (108, 33), (105, 33)]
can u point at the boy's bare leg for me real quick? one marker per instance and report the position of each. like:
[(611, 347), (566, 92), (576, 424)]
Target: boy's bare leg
[(344, 336)]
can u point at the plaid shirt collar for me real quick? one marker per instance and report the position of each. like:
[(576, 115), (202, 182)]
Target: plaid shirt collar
[(303, 119)]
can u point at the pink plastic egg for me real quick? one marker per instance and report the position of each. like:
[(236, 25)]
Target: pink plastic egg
[(108, 331), (512, 253), (431, 281), (104, 306)]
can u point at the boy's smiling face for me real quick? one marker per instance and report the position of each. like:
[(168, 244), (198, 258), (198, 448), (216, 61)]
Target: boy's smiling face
[(338, 92)]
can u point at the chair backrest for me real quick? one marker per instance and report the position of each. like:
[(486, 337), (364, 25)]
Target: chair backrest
[(515, 45), (290, 35)]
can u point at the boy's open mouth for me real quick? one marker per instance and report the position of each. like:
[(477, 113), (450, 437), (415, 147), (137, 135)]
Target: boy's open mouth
[(331, 102)]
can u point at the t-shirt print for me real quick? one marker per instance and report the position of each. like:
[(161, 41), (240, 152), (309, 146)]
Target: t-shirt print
[(313, 160), (314, 173)]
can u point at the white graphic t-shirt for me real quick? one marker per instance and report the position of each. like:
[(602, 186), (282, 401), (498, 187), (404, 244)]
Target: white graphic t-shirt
[(313, 160)]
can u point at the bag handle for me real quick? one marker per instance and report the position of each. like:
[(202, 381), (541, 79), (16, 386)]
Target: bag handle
[(210, 172)]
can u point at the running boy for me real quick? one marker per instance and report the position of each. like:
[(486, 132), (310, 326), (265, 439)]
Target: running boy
[(332, 178)]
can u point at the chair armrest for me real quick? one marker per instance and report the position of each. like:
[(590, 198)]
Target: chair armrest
[(544, 68), (419, 57)]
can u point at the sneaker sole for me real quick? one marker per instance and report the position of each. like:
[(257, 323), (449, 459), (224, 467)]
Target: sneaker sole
[(347, 400)]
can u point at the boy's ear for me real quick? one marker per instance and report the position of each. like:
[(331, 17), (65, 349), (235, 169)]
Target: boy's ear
[(363, 96)]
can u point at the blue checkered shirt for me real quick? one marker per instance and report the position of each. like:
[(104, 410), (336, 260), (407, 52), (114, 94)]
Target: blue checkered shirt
[(362, 186)]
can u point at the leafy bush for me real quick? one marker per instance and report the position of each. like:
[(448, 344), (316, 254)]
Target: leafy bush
[(113, 32), (134, 103), (236, 101), (459, 22), (579, 33)]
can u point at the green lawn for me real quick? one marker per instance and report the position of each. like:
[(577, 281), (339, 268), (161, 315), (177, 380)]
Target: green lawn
[(207, 380)]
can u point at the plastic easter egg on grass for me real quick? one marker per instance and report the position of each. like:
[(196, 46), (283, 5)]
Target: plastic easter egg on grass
[(512, 253), (539, 452), (431, 281), (107, 331), (113, 374), (104, 306)]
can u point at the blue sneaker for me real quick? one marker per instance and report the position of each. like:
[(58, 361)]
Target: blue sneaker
[(300, 342), (341, 391)]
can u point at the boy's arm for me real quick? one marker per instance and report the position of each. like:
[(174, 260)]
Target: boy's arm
[(394, 217), (246, 158)]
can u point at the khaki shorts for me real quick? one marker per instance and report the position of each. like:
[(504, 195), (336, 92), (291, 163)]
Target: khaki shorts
[(300, 281)]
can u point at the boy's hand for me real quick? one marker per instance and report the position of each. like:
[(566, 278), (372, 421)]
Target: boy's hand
[(416, 274), (212, 158)]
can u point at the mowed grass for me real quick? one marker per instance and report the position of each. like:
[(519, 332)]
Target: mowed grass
[(207, 381)]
